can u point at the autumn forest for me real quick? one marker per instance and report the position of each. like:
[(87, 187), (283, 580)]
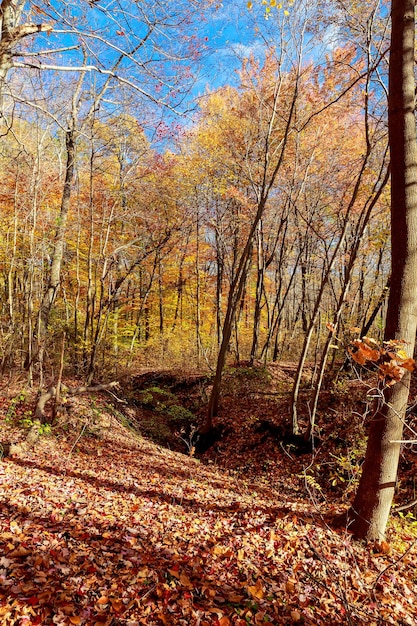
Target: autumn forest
[(208, 312)]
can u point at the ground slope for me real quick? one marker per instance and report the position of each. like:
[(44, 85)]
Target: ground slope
[(99, 526)]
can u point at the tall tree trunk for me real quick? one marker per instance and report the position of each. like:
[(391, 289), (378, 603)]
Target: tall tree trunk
[(219, 284), (259, 291), (54, 279), (348, 270), (160, 299), (235, 295), (71, 137), (311, 327), (369, 513), (58, 251), (90, 295), (198, 342), (242, 267)]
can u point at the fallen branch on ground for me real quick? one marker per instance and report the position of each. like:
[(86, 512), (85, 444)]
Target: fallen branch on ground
[(50, 394)]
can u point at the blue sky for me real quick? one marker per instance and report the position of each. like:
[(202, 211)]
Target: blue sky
[(232, 36), (225, 35)]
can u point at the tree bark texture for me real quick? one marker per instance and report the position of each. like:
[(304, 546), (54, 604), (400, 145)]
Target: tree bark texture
[(369, 513), (11, 33), (58, 250)]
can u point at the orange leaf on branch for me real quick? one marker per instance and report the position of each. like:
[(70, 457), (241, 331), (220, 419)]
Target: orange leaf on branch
[(362, 352), (409, 365), (391, 372)]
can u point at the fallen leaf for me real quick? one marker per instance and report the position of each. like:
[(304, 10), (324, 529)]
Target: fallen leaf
[(117, 605), (256, 591)]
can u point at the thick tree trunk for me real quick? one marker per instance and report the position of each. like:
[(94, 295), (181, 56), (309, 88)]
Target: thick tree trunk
[(11, 33), (369, 513)]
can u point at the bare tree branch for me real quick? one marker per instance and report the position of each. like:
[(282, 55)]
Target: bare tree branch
[(93, 68)]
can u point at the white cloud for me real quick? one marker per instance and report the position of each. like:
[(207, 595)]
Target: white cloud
[(244, 51)]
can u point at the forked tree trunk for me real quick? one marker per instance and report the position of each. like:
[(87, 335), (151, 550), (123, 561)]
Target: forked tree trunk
[(369, 513)]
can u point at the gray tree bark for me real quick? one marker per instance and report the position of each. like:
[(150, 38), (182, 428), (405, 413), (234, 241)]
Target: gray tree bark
[(11, 33)]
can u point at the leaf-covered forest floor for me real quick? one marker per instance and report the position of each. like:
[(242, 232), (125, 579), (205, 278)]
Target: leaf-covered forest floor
[(107, 520)]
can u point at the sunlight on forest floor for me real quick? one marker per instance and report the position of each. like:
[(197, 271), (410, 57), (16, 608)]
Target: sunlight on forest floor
[(100, 526)]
